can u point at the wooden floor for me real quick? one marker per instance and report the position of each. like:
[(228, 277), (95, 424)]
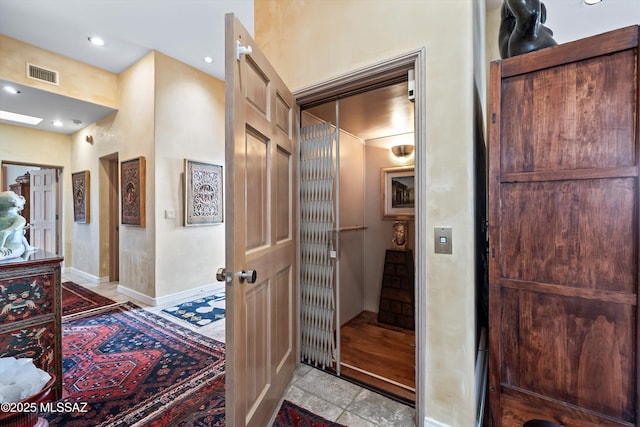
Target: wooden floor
[(380, 355)]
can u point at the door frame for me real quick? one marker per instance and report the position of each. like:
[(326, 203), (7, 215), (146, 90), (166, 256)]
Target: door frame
[(359, 80), (59, 194), (109, 199)]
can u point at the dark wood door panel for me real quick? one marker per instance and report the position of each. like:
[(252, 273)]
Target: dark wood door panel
[(579, 50), (581, 352), (519, 407), (579, 233), (576, 116)]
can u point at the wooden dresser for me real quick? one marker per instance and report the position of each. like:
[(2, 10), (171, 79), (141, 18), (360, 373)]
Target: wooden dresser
[(397, 301), (30, 312), (564, 217)]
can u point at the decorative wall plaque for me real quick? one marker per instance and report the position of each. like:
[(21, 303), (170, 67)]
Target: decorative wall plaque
[(203, 193), (132, 191), (80, 188)]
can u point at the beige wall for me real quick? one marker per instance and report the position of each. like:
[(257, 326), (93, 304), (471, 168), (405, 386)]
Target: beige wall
[(130, 134), (189, 123), (313, 41), (84, 237), (168, 112), (492, 53), (25, 145), (133, 132), (76, 79)]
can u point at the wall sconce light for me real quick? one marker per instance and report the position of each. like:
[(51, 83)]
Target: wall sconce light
[(89, 139), (590, 2), (402, 150)]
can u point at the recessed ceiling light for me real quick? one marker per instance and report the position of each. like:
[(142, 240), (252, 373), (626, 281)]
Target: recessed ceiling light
[(19, 118), (96, 41), (10, 89), (208, 59), (592, 1), (56, 123)]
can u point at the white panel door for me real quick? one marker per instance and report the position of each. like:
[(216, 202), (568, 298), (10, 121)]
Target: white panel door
[(43, 210)]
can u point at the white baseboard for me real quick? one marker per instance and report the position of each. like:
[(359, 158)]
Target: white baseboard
[(430, 422), (86, 276), (169, 299)]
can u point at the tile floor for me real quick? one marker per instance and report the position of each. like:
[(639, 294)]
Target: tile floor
[(345, 403), (321, 393)]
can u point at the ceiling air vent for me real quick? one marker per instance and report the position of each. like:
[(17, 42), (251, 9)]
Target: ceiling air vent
[(42, 74)]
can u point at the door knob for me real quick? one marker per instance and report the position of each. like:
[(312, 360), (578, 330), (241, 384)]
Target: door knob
[(221, 275), (250, 276)]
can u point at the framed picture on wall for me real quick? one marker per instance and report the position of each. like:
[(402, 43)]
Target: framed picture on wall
[(80, 188), (202, 193), (132, 191), (397, 186)]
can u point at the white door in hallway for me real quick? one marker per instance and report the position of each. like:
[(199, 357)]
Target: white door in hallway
[(43, 230), (261, 244)]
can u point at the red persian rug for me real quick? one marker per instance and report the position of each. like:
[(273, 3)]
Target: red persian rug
[(125, 366), (77, 299), (292, 415)]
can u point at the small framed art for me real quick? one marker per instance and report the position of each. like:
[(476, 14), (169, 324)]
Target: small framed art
[(80, 187), (203, 190), (398, 192)]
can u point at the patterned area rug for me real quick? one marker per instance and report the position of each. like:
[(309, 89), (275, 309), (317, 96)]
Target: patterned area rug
[(132, 367), (292, 415), (77, 299), (201, 311)]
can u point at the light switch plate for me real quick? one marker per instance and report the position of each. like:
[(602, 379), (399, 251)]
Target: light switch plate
[(442, 240)]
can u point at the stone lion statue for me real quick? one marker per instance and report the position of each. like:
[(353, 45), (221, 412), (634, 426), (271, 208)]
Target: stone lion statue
[(12, 241)]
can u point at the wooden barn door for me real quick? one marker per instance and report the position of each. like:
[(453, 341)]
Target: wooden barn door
[(564, 234)]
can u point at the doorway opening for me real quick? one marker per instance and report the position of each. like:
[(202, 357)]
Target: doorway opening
[(369, 117), (109, 217), (41, 186)]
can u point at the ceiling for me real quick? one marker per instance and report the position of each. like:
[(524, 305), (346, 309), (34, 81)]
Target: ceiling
[(186, 30), (74, 114), (189, 30), (374, 115)]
